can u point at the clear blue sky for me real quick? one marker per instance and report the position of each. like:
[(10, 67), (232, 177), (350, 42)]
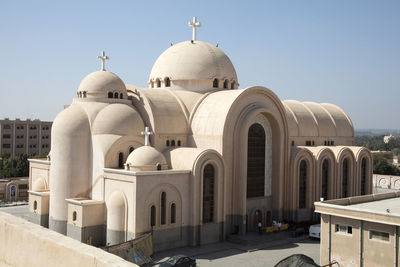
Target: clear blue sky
[(342, 52)]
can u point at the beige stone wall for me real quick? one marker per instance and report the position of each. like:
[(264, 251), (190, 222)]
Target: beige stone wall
[(378, 252), (26, 244), (345, 248), (39, 174), (324, 243)]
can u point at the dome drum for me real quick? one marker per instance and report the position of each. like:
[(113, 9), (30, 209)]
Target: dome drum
[(102, 84), (195, 67)]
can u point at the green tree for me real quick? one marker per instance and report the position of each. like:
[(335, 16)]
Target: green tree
[(381, 166)]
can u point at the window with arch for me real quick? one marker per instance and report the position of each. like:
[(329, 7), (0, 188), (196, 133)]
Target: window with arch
[(363, 176), (74, 216), (167, 82), (153, 216), (151, 84), (35, 205), (158, 166), (208, 193), (302, 184), (120, 160), (84, 94), (80, 94), (256, 161), (167, 143), (116, 95), (226, 82), (345, 177), (173, 213), (121, 96), (233, 85), (172, 142), (158, 83), (215, 83), (325, 173), (131, 149), (163, 208), (179, 142), (110, 95)]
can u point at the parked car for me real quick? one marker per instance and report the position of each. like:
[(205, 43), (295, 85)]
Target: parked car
[(179, 260), (315, 231)]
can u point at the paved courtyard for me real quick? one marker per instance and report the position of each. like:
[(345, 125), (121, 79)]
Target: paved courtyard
[(265, 250)]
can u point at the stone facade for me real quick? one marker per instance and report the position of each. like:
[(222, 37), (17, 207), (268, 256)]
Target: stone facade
[(14, 189), (214, 160)]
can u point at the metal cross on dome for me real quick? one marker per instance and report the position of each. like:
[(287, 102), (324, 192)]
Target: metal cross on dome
[(194, 24), (146, 134), (103, 58)]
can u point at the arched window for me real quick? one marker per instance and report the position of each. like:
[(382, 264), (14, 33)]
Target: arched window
[(80, 94), (158, 82), (121, 96), (226, 82), (363, 175), (158, 167), (167, 82), (131, 149), (256, 161), (179, 142), (167, 143), (110, 95), (302, 184), (208, 193), (151, 84), (325, 173), (163, 208), (233, 85), (35, 205), (153, 216), (84, 94), (116, 95), (74, 216), (120, 160), (215, 83), (172, 142), (345, 176), (173, 213)]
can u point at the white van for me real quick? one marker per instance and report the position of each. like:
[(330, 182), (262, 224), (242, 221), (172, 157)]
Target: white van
[(315, 231)]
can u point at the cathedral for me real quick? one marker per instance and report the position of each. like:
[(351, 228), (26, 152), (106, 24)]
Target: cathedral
[(191, 159)]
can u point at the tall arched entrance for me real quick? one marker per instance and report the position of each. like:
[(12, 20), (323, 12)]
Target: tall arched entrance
[(256, 161), (258, 183)]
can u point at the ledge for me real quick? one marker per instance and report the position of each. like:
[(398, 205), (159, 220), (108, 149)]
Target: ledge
[(144, 173), (41, 161)]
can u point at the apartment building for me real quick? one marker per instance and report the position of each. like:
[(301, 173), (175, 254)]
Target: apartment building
[(30, 137)]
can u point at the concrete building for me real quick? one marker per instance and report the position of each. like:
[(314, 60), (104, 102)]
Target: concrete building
[(30, 137), (192, 158), (360, 231)]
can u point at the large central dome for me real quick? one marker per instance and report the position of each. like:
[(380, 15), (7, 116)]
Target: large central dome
[(195, 66)]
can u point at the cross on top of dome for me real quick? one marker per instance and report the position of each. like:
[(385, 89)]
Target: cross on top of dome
[(103, 58), (146, 134), (194, 24)]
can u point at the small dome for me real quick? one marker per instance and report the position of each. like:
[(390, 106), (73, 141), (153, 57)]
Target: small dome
[(146, 158), (197, 61), (119, 119), (100, 83)]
